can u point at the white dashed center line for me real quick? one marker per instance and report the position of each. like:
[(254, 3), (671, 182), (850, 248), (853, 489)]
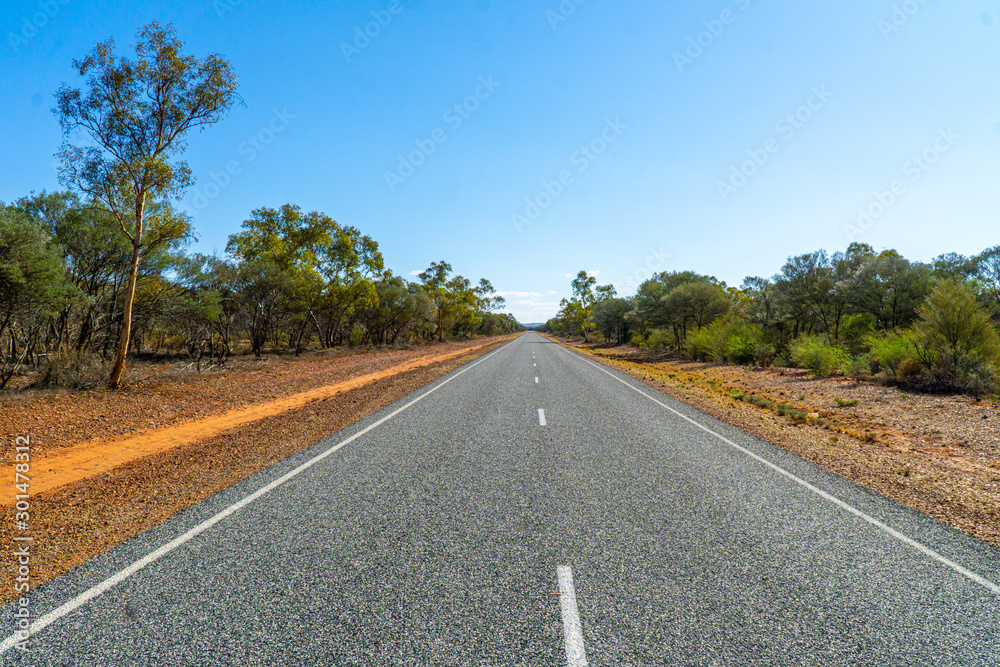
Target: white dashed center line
[(576, 655), (536, 380), (541, 417)]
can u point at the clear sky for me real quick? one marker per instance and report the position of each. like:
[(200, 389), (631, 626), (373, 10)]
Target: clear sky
[(616, 137)]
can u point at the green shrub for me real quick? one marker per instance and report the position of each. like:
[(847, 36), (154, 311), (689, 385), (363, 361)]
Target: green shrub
[(356, 337), (759, 402), (857, 331), (657, 340), (856, 367), (764, 354), (891, 350), (725, 340), (909, 369), (962, 347), (817, 355), (638, 340)]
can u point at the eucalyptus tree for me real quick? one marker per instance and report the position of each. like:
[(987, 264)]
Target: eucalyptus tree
[(135, 115)]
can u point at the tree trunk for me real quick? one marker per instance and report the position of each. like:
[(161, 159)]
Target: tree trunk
[(125, 335)]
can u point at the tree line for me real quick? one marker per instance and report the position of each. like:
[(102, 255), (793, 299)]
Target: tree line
[(857, 313), (88, 274), (288, 280)]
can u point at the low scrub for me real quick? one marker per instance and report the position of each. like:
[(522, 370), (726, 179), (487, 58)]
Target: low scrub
[(959, 345), (73, 369), (893, 353), (729, 340), (819, 356)]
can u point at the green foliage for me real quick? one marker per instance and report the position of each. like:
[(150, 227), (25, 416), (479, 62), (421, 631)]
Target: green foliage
[(841, 403), (857, 331), (890, 288), (31, 273), (890, 350), (726, 340), (657, 340), (136, 115), (818, 355), (610, 318), (963, 346)]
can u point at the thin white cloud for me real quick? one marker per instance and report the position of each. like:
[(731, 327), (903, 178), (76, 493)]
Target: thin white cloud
[(415, 273), (533, 303), (553, 293), (518, 294)]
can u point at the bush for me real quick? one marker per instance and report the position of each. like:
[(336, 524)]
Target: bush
[(890, 351), (909, 369), (764, 354), (857, 332), (961, 346), (857, 368), (637, 340), (356, 337), (74, 369), (657, 340), (730, 340), (817, 355)]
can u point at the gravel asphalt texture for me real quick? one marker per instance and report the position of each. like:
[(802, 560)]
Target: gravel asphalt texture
[(434, 536)]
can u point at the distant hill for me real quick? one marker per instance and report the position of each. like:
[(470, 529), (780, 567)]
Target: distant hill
[(531, 325)]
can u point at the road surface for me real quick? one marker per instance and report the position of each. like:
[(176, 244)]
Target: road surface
[(531, 508)]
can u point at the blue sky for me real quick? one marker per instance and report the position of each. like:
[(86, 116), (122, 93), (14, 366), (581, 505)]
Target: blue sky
[(621, 138)]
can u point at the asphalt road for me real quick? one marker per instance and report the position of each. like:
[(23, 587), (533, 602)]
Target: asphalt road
[(495, 519)]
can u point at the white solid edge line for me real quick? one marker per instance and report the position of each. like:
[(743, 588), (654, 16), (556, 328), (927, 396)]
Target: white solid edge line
[(576, 654), (969, 574), (541, 417), (114, 580)]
